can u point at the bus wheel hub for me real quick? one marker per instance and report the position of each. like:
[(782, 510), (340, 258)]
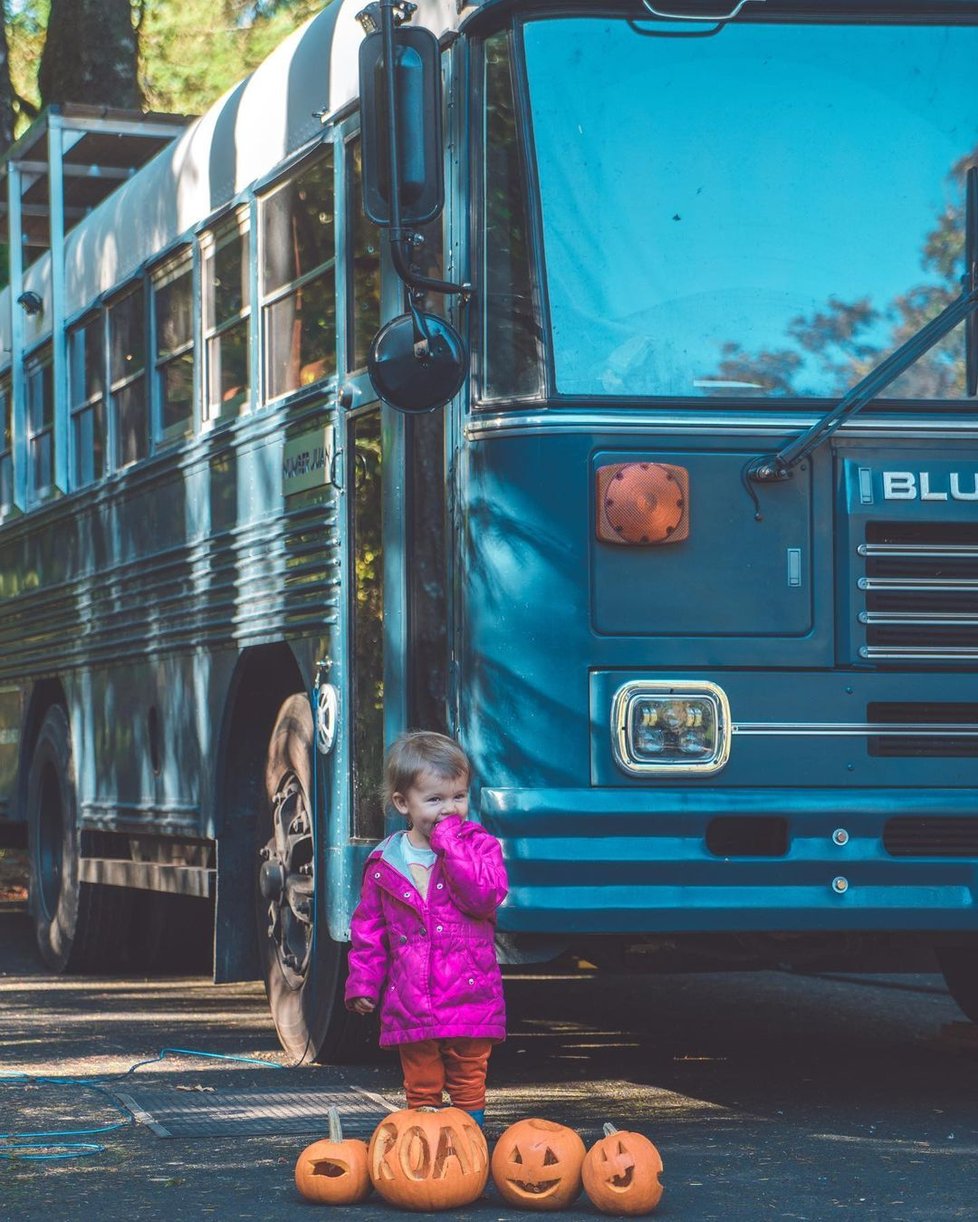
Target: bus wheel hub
[(286, 877), (272, 880)]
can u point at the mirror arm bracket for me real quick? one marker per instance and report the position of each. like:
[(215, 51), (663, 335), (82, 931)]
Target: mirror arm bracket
[(415, 282)]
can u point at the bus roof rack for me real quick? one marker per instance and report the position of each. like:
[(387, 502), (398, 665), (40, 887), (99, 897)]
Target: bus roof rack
[(91, 150)]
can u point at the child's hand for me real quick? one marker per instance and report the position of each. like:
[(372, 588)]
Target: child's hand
[(363, 1005)]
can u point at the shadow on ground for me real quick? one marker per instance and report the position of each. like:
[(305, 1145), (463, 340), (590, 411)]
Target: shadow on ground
[(770, 1094)]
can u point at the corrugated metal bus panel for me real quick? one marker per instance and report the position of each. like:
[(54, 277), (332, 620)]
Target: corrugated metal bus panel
[(273, 574)]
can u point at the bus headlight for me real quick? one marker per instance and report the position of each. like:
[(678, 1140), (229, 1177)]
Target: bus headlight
[(669, 726)]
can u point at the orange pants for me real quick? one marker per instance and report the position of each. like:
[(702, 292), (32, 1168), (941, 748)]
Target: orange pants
[(460, 1064)]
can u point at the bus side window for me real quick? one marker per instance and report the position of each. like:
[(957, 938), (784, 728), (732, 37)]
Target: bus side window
[(226, 291), (367, 622), (86, 397), (127, 376), (363, 275), (6, 448), (173, 350), (425, 459), (427, 574), (40, 424), (298, 265)]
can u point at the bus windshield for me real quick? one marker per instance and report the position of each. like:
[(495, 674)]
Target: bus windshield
[(764, 212)]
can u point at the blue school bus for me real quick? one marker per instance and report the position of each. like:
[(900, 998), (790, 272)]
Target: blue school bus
[(630, 437)]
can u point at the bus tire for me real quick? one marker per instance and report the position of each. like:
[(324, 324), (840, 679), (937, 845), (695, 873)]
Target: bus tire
[(303, 968), (78, 926), (959, 967)]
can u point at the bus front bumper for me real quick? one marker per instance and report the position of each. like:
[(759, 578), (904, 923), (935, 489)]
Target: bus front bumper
[(640, 860)]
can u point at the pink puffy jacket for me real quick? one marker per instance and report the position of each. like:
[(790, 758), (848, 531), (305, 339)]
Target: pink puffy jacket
[(431, 965)]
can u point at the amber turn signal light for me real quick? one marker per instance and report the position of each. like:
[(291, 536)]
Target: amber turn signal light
[(642, 503)]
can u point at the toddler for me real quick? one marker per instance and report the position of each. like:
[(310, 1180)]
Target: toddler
[(423, 946)]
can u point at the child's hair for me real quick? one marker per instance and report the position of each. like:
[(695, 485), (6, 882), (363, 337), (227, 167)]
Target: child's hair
[(418, 751)]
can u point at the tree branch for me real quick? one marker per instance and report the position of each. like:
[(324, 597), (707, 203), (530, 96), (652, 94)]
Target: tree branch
[(25, 107)]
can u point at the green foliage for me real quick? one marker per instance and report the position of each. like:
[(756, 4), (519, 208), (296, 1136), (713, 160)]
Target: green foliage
[(25, 41), (192, 51)]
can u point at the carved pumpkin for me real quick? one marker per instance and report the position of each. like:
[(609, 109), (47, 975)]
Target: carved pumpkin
[(537, 1164), (621, 1173), (429, 1158), (334, 1171)]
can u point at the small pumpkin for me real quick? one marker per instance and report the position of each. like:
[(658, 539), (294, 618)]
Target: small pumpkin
[(429, 1159), (334, 1171), (621, 1173), (537, 1164)]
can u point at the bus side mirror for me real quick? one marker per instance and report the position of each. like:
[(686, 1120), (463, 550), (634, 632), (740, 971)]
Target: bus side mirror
[(417, 102)]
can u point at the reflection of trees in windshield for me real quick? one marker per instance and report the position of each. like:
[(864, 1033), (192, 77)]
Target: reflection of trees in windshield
[(841, 343)]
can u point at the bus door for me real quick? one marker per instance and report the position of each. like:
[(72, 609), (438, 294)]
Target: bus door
[(393, 472), (363, 441), (392, 469)]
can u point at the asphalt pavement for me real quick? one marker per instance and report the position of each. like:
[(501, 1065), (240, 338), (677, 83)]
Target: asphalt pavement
[(769, 1095)]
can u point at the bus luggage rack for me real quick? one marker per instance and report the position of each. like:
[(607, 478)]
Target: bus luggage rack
[(920, 588), (910, 836)]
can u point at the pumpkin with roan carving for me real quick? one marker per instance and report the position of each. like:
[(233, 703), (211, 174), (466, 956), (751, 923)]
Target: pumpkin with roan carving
[(334, 1171), (537, 1164), (429, 1158), (621, 1173)]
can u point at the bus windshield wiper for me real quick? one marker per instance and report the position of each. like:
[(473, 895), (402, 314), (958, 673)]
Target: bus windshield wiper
[(770, 468)]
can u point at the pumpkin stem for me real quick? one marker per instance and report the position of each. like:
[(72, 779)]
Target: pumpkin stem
[(335, 1128), (609, 1129)]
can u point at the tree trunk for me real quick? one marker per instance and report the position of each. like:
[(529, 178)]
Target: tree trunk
[(6, 88), (90, 54)]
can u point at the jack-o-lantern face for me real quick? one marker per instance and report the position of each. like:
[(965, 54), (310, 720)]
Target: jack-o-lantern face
[(334, 1171), (621, 1173), (429, 1159), (537, 1164)]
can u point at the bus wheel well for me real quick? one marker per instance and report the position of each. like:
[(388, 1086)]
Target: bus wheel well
[(264, 677), (45, 695), (79, 925)]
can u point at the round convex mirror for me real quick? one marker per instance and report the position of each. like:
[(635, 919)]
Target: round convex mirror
[(413, 373)]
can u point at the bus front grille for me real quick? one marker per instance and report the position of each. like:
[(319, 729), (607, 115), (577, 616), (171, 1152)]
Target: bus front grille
[(919, 592), (945, 729), (910, 836)]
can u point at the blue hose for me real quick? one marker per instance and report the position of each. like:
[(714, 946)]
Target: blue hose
[(66, 1149)]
